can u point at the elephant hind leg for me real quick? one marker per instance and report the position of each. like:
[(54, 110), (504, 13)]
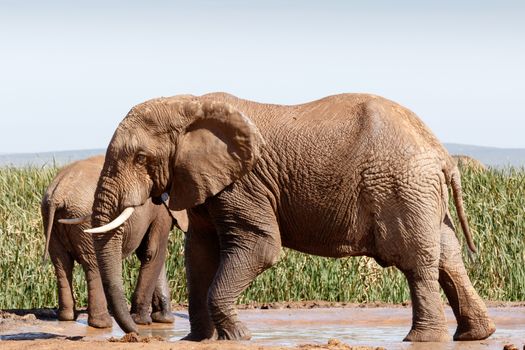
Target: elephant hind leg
[(152, 256), (409, 236), (428, 317), (469, 309), (63, 263), (161, 303)]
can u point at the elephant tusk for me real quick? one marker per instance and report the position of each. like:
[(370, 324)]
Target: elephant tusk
[(75, 221), (126, 213)]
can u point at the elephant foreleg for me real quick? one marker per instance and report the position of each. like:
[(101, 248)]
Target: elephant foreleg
[(98, 315), (201, 259), (245, 257), (161, 303), (469, 309)]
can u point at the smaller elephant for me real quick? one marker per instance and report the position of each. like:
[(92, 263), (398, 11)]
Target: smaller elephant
[(71, 195), (464, 161)]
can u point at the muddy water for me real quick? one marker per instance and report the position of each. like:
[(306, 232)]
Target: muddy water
[(288, 327)]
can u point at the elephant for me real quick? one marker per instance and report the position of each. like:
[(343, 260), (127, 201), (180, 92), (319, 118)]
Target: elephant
[(346, 175), (70, 195), (467, 162)]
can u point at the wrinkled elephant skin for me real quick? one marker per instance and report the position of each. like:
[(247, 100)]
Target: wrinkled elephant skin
[(71, 195), (347, 175)]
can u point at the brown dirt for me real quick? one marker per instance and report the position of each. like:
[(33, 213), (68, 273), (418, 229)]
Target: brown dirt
[(17, 319), (42, 313), (314, 304), (13, 318), (511, 347), (134, 338), (333, 344), (7, 319), (47, 313), (6, 315)]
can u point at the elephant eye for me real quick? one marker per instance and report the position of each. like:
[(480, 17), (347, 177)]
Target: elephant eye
[(141, 158)]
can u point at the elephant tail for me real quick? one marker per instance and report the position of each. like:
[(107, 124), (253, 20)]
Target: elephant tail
[(49, 227), (455, 182)]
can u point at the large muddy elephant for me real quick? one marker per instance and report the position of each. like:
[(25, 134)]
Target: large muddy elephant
[(70, 195), (347, 175)]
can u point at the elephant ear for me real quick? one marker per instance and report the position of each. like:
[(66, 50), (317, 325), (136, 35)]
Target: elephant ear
[(218, 146)]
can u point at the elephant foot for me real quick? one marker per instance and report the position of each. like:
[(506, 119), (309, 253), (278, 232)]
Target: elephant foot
[(67, 315), (141, 318), (162, 317), (474, 329), (200, 336), (427, 335), (237, 332), (100, 321)]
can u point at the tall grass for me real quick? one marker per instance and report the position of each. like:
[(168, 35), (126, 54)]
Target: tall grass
[(495, 202)]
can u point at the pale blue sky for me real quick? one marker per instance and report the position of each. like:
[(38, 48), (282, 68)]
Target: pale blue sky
[(70, 70)]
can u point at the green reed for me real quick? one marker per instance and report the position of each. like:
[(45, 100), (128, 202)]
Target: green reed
[(495, 202)]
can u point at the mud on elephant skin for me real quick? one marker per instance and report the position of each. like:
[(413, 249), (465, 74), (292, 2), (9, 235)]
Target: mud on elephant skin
[(70, 195), (347, 175)]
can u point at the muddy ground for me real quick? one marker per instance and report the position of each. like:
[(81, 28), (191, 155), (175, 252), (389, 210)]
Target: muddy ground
[(298, 325)]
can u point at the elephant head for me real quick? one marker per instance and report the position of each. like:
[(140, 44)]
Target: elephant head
[(187, 146)]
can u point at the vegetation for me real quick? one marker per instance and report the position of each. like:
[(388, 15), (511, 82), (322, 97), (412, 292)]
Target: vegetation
[(495, 202)]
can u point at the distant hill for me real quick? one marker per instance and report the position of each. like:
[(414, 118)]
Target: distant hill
[(46, 159), (490, 156)]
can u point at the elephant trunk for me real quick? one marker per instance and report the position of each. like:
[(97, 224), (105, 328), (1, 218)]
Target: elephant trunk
[(108, 248)]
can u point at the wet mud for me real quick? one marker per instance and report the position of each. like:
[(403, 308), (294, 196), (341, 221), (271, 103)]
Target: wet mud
[(273, 327)]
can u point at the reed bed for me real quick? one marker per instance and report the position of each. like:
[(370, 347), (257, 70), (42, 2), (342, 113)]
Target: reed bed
[(495, 202)]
